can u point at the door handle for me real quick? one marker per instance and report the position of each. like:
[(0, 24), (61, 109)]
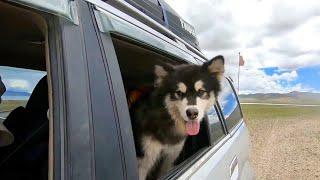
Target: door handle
[(234, 169)]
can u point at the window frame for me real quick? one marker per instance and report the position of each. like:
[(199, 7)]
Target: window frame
[(189, 162), (186, 164)]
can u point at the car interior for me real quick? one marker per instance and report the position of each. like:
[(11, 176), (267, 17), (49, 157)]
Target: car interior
[(23, 45), (137, 63)]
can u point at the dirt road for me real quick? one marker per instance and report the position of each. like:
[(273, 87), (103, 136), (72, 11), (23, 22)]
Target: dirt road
[(286, 148)]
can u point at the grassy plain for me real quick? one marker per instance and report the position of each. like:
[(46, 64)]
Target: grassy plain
[(8, 105), (285, 141)]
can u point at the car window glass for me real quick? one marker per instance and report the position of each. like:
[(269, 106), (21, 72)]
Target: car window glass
[(229, 104), (19, 85), (216, 129)]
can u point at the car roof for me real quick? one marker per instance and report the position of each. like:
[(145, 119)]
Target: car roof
[(162, 13)]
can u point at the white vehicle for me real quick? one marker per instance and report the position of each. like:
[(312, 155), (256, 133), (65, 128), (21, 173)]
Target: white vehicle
[(88, 54)]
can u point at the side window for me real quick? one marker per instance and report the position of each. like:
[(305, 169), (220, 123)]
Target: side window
[(24, 106), (229, 105), (216, 129), (19, 83)]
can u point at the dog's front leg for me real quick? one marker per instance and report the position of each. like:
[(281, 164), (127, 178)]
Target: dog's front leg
[(152, 149), (170, 155), (143, 168)]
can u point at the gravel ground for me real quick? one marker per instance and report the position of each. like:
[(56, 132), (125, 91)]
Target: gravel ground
[(286, 149)]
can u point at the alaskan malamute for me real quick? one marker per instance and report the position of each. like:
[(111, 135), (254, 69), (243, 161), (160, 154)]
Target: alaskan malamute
[(179, 101)]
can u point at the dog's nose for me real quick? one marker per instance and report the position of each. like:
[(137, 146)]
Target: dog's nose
[(192, 113)]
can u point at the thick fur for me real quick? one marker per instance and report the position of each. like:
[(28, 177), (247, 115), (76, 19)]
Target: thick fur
[(159, 121)]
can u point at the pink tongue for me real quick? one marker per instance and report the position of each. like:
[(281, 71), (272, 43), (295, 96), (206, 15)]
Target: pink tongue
[(192, 127)]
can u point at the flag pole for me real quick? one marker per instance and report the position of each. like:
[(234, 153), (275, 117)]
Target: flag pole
[(239, 74)]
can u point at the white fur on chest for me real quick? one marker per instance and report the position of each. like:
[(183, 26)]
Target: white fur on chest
[(153, 149)]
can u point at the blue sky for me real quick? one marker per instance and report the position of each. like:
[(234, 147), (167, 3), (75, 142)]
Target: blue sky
[(310, 77), (307, 77)]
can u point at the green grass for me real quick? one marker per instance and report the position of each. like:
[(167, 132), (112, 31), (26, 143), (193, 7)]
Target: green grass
[(8, 105), (269, 112), (259, 117)]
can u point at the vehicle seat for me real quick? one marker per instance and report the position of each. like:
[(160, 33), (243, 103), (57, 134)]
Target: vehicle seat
[(27, 157)]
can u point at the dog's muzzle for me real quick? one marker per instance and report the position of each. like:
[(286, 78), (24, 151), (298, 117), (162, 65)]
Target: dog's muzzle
[(192, 113)]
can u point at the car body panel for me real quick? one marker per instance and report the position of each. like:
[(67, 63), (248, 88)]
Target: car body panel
[(217, 166), (216, 163)]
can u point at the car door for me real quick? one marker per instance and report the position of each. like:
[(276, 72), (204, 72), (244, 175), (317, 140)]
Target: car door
[(229, 159)]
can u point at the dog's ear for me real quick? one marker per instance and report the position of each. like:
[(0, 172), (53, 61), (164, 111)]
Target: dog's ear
[(215, 66), (161, 71)]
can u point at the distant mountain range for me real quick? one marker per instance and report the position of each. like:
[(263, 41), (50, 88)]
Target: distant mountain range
[(15, 95), (288, 98)]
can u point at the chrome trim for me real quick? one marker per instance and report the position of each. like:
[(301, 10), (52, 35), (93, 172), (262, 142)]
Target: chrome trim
[(150, 21), (233, 165)]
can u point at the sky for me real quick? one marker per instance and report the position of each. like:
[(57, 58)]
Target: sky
[(279, 40)]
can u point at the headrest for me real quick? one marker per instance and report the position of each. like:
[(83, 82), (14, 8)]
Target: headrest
[(6, 137), (38, 100)]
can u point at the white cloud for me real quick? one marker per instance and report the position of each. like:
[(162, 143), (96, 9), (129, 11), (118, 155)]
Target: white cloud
[(268, 33), (17, 85), (257, 81), (286, 76)]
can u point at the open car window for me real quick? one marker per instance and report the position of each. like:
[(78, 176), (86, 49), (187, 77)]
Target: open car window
[(137, 63)]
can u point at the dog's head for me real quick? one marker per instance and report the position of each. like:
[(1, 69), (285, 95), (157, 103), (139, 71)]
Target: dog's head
[(189, 90)]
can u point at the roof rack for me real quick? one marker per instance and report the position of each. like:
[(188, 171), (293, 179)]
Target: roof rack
[(132, 11)]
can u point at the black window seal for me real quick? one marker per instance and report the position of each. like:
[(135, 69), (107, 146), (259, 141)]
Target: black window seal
[(223, 120)]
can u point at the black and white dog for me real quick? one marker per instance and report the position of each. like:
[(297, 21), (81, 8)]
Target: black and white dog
[(174, 110)]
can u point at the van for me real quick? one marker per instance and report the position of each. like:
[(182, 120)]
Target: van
[(68, 67)]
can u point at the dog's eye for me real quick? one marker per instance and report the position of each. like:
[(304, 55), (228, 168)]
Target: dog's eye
[(201, 92), (178, 93)]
